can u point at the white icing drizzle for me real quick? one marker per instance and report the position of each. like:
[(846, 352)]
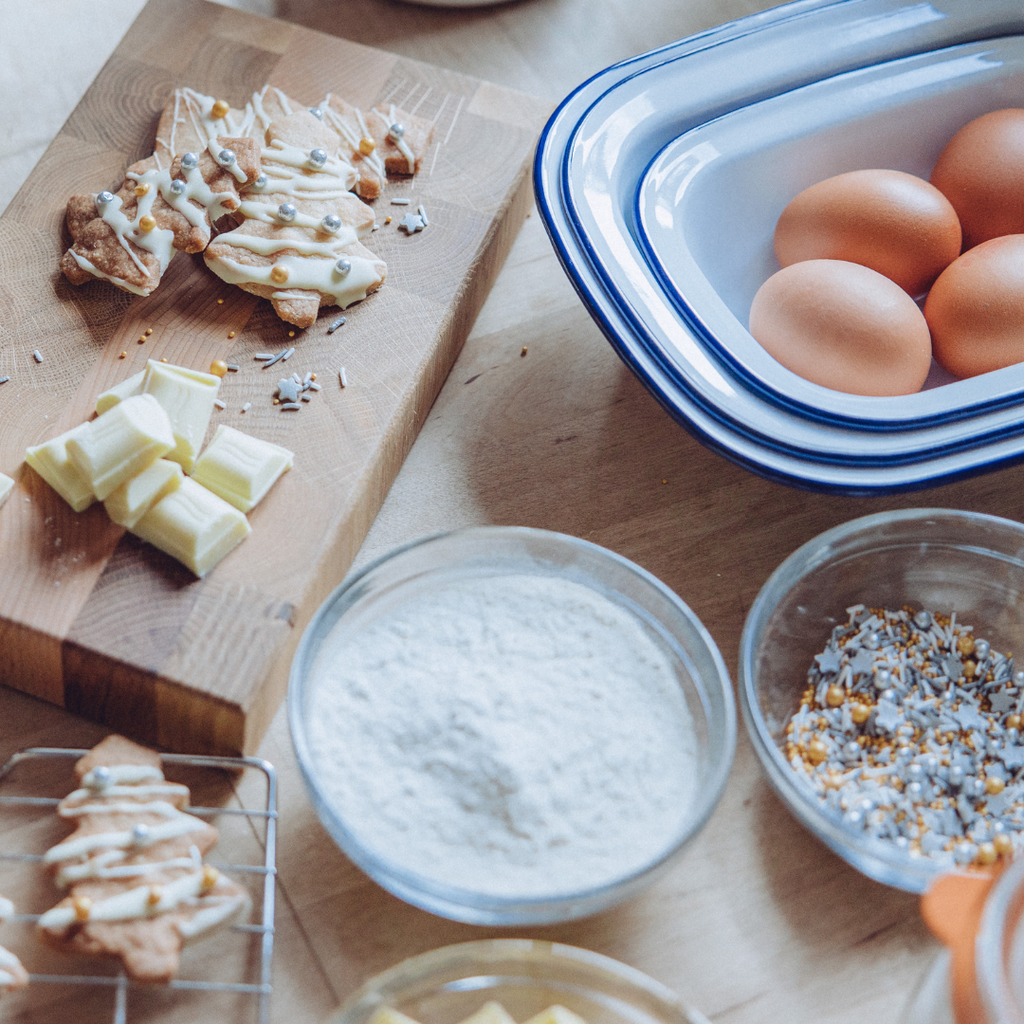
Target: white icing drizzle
[(403, 146), (344, 129), (126, 774), (283, 100), (219, 912), (105, 866), (159, 241), (195, 189), (90, 268), (134, 904), (161, 807), (6, 908), (304, 275), (156, 789), (199, 109), (82, 846)]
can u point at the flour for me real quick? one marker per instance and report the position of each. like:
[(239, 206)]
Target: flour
[(511, 735)]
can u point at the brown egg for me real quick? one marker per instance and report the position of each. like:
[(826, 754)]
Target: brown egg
[(981, 172), (889, 221), (843, 326), (976, 308)]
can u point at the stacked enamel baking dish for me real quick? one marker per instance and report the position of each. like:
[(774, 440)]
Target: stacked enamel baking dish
[(660, 181)]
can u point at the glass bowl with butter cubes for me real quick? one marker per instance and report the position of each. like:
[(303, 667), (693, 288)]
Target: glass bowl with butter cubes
[(513, 981)]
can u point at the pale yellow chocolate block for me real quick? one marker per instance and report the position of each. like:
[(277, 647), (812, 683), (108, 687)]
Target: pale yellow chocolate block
[(119, 392), (556, 1015), (386, 1015), (194, 526), (490, 1013), (239, 467), (52, 463), (6, 486), (121, 443), (187, 397), (130, 502)]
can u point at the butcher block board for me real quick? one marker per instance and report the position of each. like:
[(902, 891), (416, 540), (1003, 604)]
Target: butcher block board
[(90, 617)]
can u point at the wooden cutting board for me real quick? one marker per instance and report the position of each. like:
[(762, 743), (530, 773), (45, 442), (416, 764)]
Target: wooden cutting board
[(93, 619)]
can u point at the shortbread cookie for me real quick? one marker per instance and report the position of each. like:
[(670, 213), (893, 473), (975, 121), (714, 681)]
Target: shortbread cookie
[(128, 238), (298, 242), (12, 974), (138, 888), (380, 141)]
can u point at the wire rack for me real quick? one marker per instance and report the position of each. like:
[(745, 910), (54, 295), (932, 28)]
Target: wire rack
[(265, 827)]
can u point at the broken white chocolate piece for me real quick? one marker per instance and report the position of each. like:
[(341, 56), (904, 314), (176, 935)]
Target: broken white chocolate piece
[(119, 392), (130, 502), (490, 1013), (187, 397), (241, 468), (51, 461), (6, 486), (193, 525), (121, 443), (556, 1014)]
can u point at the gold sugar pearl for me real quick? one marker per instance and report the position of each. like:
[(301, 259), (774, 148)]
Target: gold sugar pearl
[(82, 906), (220, 302), (1013, 722), (387, 220), (210, 876), (154, 895), (817, 751), (147, 223), (367, 146), (122, 355), (965, 644), (834, 696), (312, 376), (860, 713), (987, 853), (142, 339), (279, 274), (231, 334), (219, 109), (148, 331), (163, 359), (142, 188), (218, 368), (1003, 844), (993, 786), (291, 334), (970, 669)]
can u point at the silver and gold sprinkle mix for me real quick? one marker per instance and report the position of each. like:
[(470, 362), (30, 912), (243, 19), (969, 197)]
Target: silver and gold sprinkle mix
[(910, 730)]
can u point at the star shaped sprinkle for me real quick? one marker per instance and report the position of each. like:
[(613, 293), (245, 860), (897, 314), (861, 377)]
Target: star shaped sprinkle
[(412, 222), (288, 390)]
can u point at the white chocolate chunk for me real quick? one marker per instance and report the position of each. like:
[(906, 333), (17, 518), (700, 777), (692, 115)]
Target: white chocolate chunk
[(241, 468), (490, 1013), (130, 502), (187, 397), (556, 1014), (388, 1015), (121, 443), (52, 462), (6, 486), (119, 392), (194, 526)]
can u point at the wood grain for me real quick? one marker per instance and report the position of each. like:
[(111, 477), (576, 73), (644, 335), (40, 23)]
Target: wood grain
[(101, 623)]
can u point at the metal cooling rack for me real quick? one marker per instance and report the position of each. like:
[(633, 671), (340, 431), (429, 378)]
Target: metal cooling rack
[(120, 983)]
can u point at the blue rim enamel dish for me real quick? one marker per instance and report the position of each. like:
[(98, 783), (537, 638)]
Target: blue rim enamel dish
[(660, 180)]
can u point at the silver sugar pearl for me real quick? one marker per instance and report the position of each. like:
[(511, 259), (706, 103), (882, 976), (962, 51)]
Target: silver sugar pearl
[(871, 641), (342, 267), (905, 752), (882, 678), (101, 776), (1012, 737), (915, 770), (317, 113), (140, 833), (931, 764), (923, 619), (104, 197), (331, 223), (178, 186), (851, 751), (994, 746), (998, 827), (981, 650), (261, 181), (226, 157), (189, 160), (888, 695), (956, 776), (286, 212), (901, 842), (853, 817), (397, 130), (964, 853), (1018, 677), (975, 788), (914, 790), (864, 804), (317, 157)]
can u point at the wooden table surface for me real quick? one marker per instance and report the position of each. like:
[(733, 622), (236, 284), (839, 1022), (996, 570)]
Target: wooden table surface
[(757, 921)]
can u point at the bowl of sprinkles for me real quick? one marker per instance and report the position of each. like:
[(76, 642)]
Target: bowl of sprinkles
[(879, 689)]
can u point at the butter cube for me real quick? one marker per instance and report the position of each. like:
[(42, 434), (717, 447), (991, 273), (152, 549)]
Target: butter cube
[(386, 1015), (239, 467), (194, 526), (6, 486), (119, 392), (556, 1015), (187, 397), (121, 443), (130, 502), (52, 462), (490, 1013)]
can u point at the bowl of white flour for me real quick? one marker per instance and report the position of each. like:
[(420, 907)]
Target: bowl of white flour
[(510, 726)]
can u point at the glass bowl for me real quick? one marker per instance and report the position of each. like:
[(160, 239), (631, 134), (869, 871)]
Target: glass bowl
[(939, 559), (526, 976), (416, 572)]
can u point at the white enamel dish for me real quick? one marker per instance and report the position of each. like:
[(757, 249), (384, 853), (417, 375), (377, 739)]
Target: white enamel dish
[(660, 181)]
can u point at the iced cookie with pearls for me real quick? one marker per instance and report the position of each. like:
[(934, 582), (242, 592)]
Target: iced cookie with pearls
[(12, 974)]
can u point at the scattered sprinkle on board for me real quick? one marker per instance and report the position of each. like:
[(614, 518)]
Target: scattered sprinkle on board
[(233, 367), (289, 352), (217, 402), (290, 406), (247, 407), (342, 377), (421, 210), (337, 323), (37, 355), (4, 380), (400, 202)]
